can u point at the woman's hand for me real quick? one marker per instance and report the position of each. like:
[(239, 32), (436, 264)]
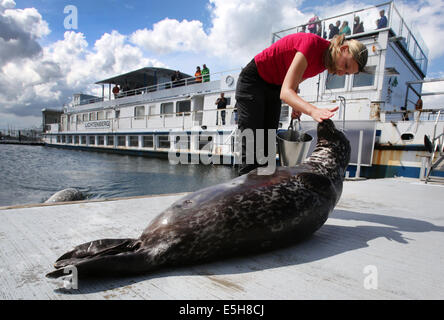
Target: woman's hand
[(323, 114), (295, 114)]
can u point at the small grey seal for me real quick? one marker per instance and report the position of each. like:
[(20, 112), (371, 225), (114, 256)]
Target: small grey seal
[(70, 194), (248, 214)]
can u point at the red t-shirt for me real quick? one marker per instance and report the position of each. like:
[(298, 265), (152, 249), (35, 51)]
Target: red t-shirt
[(273, 63)]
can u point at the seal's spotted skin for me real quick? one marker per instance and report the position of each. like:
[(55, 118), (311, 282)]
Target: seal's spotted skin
[(248, 214)]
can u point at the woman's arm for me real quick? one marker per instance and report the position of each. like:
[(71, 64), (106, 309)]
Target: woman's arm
[(289, 91)]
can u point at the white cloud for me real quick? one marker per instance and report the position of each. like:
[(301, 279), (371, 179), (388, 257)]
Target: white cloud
[(32, 78), (426, 17), (171, 35), (6, 4), (20, 31), (67, 67), (240, 29), (29, 21), (434, 101)]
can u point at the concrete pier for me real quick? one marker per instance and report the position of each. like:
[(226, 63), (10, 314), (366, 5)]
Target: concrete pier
[(383, 241)]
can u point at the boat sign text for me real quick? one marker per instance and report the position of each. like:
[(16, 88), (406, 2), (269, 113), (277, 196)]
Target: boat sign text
[(105, 124)]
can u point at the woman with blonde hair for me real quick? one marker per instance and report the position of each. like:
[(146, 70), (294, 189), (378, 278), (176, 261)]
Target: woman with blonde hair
[(275, 74)]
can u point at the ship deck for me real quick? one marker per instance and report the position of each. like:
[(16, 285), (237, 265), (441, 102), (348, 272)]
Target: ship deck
[(383, 241)]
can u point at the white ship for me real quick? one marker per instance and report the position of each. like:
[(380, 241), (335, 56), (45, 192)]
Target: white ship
[(390, 134)]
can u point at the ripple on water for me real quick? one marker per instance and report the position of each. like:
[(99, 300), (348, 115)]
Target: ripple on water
[(31, 174)]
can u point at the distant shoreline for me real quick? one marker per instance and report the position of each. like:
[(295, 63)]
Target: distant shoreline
[(27, 143)]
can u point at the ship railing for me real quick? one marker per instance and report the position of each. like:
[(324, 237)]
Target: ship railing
[(435, 153), (53, 127), (224, 147), (82, 103), (89, 101), (186, 82), (177, 83), (182, 120), (416, 115), (413, 43)]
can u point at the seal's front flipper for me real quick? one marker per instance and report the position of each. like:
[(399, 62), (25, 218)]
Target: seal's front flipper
[(97, 248), (106, 266)]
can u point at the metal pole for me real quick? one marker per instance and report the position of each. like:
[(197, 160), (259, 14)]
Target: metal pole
[(358, 168), (343, 103), (406, 96), (319, 82)]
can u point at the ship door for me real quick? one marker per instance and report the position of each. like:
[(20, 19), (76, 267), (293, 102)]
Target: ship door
[(197, 104)]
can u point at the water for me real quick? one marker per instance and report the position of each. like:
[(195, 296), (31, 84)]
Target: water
[(31, 174)]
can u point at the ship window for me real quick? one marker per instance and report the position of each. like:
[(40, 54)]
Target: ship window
[(206, 143), (164, 142), (85, 117), (83, 140), (76, 139), (92, 140), (69, 139), (182, 142), (110, 141), (134, 141), (101, 115), (152, 110), (148, 141), (167, 109), (334, 81), (364, 79), (121, 141), (139, 112), (117, 114), (58, 139), (184, 106), (101, 140), (78, 118), (63, 139), (92, 116)]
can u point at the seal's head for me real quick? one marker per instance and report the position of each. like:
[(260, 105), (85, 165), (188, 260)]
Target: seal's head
[(334, 139)]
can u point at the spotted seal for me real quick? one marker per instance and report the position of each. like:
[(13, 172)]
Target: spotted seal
[(248, 214), (70, 194)]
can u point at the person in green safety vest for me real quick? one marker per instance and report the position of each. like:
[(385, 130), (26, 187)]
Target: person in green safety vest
[(205, 73)]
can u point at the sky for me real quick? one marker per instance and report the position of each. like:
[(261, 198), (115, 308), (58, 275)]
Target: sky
[(45, 57)]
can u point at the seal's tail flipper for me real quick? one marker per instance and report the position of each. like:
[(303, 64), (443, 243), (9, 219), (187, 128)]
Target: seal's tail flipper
[(108, 265), (97, 248)]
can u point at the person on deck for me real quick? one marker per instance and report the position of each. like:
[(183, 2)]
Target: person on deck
[(205, 73), (333, 31), (275, 74), (345, 29), (358, 26), (382, 22), (198, 75), (116, 91), (221, 103)]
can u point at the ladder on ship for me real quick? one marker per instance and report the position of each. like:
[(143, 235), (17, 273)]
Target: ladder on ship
[(435, 147)]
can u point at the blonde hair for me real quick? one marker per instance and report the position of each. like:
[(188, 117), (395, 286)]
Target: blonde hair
[(357, 49)]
